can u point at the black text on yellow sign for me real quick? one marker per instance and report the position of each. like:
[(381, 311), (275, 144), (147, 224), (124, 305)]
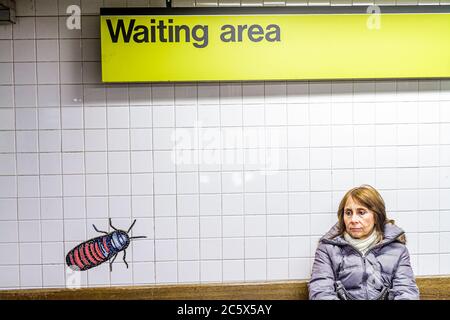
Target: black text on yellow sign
[(166, 31), (174, 46)]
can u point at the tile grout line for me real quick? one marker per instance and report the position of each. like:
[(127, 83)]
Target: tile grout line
[(19, 284), (198, 197), (153, 184), (107, 88), (439, 183), (83, 106), (58, 31), (221, 84), (266, 237), (130, 175), (38, 154), (289, 258), (242, 179), (308, 86), (176, 181), (418, 157)]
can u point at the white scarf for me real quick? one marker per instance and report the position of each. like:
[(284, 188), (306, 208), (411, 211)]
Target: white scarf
[(362, 244)]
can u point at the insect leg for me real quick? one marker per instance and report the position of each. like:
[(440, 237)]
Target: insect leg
[(138, 237), (111, 262), (124, 256), (99, 231), (110, 224)]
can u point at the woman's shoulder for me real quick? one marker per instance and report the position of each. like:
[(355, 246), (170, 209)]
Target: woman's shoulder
[(395, 247), (393, 233), (330, 247)]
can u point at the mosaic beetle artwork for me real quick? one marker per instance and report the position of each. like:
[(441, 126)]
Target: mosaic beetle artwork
[(94, 252)]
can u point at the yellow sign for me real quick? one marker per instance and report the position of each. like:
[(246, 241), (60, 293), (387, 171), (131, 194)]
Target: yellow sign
[(180, 45)]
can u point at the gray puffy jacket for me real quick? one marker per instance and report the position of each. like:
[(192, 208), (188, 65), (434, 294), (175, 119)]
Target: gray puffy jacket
[(342, 272)]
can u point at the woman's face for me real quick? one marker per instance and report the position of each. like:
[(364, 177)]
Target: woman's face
[(359, 221)]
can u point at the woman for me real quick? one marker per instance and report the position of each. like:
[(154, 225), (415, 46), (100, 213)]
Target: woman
[(363, 257)]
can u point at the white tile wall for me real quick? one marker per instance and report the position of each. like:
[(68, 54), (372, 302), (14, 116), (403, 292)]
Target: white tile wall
[(245, 197)]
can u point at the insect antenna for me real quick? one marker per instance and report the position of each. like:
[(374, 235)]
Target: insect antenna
[(131, 227), (110, 224), (138, 237), (99, 231)]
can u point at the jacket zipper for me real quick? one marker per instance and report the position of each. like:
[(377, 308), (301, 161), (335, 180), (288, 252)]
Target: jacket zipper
[(366, 278), (363, 258)]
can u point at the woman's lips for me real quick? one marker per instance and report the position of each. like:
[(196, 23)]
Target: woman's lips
[(355, 229)]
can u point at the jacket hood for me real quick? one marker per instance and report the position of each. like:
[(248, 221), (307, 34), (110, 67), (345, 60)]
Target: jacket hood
[(391, 233)]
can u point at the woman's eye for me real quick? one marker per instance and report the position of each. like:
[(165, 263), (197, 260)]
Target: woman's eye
[(362, 213)]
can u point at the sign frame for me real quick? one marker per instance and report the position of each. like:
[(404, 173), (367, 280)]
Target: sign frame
[(307, 11)]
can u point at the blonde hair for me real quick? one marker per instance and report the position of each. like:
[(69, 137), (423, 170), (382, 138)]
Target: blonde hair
[(370, 198)]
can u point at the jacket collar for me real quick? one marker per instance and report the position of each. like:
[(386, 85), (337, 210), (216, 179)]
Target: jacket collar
[(391, 234)]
